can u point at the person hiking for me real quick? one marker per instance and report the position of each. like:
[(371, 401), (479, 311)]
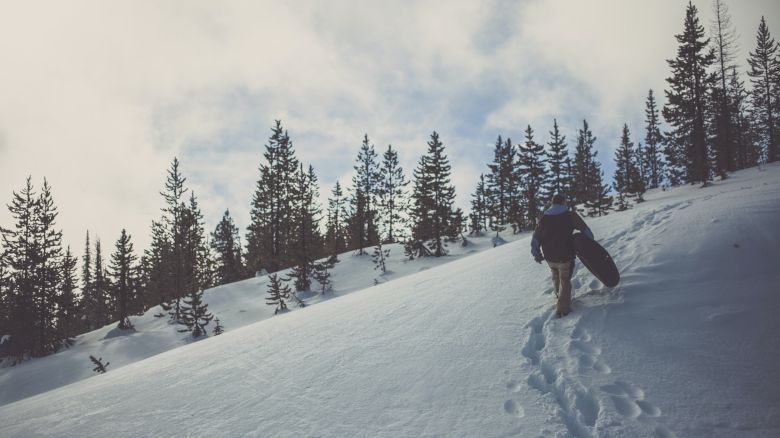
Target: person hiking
[(552, 234)]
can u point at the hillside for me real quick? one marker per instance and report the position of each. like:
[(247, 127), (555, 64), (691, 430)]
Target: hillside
[(236, 305), (686, 345)]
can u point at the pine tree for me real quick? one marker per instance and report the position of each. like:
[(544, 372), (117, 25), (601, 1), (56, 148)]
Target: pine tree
[(600, 205), (765, 97), (67, 302), (322, 276), (379, 257), (686, 148), (653, 141), (218, 327), (722, 119), (366, 188), (100, 290), (173, 219), (48, 272), (433, 218), (224, 242), (627, 180), (122, 273), (747, 154), (479, 208), (156, 268), (535, 176), (270, 232), (583, 171), (195, 314), (498, 184), (100, 368), (31, 262), (335, 235), (277, 293), (200, 267), (557, 154), (5, 301), (89, 302), (308, 242), (21, 259), (392, 195)]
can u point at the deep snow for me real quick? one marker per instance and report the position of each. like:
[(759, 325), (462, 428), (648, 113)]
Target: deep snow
[(686, 345)]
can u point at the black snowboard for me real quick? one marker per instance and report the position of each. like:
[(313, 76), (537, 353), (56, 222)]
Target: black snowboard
[(596, 259)]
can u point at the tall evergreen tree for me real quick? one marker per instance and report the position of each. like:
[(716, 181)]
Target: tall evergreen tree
[(224, 242), (584, 169), (173, 218), (156, 268), (31, 262), (336, 233), (557, 154), (686, 150), (653, 143), (122, 275), (627, 179), (88, 301), (479, 208), (747, 154), (765, 97), (498, 184), (366, 186), (722, 119), (67, 300), (100, 290), (21, 258), (434, 219), (600, 205), (535, 176), (308, 242), (271, 229), (48, 272), (392, 195)]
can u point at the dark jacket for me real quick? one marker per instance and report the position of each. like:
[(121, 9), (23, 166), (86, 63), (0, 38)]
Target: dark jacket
[(554, 231)]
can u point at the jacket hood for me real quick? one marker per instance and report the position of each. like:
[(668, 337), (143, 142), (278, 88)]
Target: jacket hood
[(556, 209)]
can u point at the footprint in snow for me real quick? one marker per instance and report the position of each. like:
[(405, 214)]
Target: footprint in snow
[(512, 408), (589, 353), (629, 400)]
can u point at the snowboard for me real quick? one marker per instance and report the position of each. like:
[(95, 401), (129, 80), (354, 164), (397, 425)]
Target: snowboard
[(596, 259)]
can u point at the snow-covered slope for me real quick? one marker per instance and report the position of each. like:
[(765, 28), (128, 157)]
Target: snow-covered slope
[(236, 305), (686, 345)]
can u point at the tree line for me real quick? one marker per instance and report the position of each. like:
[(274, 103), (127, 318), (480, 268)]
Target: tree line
[(713, 126)]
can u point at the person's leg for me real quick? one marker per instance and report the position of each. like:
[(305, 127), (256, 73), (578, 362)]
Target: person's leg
[(564, 298), (556, 279)]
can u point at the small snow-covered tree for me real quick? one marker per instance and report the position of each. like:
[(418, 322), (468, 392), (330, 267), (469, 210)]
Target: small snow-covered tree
[(277, 292), (218, 328), (379, 256), (100, 367), (322, 276), (195, 313)]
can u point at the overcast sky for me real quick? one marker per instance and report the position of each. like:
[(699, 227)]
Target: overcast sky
[(99, 96)]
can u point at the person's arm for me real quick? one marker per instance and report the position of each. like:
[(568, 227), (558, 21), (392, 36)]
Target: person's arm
[(536, 241), (579, 224)]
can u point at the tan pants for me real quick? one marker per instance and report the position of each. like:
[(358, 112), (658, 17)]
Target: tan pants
[(561, 277)]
